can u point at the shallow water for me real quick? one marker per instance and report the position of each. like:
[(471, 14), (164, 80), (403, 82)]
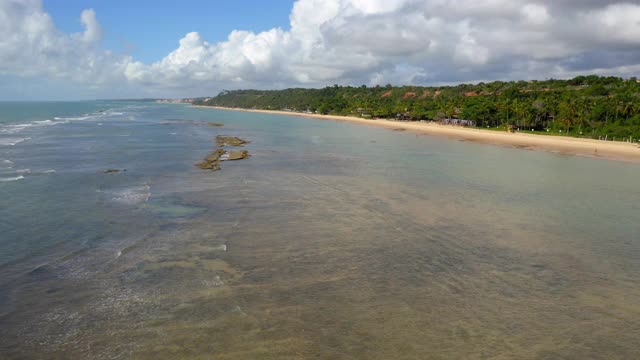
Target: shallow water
[(333, 240)]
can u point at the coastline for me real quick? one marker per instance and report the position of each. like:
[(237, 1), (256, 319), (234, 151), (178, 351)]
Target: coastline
[(599, 149)]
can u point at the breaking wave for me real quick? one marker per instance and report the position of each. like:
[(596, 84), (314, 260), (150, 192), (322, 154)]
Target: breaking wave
[(15, 178), (12, 141)]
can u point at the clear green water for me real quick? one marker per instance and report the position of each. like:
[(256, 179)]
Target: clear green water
[(332, 241)]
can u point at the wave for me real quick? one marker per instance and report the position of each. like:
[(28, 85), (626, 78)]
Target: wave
[(8, 171), (92, 116), (12, 141), (79, 118), (16, 128), (10, 129), (15, 178)]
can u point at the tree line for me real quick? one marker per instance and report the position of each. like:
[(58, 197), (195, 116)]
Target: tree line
[(585, 106)]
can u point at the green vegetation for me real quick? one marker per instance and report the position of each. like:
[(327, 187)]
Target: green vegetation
[(586, 106)]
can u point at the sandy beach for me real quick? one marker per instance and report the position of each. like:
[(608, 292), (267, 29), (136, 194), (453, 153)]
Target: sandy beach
[(613, 150)]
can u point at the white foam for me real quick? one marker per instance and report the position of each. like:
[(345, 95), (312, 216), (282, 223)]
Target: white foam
[(86, 117), (134, 195), (23, 171), (16, 178), (91, 116), (16, 128), (50, 171), (79, 118), (12, 141)]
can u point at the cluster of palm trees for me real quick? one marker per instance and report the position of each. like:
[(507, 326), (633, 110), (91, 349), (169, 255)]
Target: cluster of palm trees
[(562, 111), (584, 106)]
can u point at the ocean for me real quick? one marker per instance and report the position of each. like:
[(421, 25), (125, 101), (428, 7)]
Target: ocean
[(333, 240)]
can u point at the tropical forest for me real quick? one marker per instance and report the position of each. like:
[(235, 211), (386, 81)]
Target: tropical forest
[(606, 108)]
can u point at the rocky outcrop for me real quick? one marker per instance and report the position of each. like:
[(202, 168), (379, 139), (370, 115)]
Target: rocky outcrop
[(235, 155), (213, 160), (223, 140), (108, 171)]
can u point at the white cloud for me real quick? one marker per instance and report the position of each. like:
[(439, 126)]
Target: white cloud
[(535, 14), (93, 31), (31, 45), (616, 23), (348, 42)]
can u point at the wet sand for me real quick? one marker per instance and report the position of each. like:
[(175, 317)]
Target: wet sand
[(563, 144)]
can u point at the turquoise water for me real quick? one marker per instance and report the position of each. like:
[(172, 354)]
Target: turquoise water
[(333, 240)]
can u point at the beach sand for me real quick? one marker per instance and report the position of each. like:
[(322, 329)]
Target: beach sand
[(562, 144)]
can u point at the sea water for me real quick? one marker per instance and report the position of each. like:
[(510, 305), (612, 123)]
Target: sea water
[(333, 240)]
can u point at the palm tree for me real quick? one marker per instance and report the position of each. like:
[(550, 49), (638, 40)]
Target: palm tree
[(583, 107), (504, 108), (568, 111)]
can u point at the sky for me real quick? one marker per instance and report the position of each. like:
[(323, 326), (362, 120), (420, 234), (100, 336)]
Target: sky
[(73, 49)]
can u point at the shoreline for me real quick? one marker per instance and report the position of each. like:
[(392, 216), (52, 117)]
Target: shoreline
[(599, 149)]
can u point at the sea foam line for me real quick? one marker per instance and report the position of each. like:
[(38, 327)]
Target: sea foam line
[(16, 178), (12, 141), (16, 128)]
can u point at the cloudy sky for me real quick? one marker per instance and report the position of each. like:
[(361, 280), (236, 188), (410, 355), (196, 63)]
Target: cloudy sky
[(56, 49)]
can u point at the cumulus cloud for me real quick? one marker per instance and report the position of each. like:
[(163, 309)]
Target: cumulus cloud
[(349, 42), (93, 31), (31, 45)]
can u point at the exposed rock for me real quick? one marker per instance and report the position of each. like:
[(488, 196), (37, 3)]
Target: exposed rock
[(215, 124), (209, 165), (215, 155), (236, 155), (107, 171), (213, 160), (223, 140)]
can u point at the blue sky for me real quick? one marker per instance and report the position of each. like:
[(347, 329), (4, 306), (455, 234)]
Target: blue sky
[(149, 30), (73, 49)]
